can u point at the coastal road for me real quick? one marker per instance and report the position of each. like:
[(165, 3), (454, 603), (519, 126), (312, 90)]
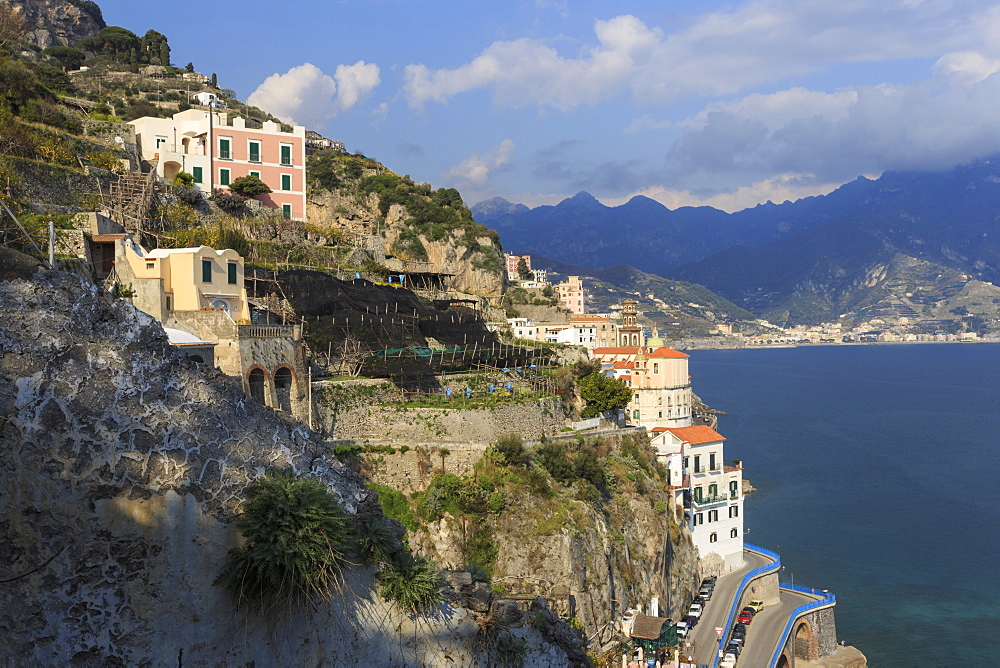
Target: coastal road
[(767, 625), (705, 641)]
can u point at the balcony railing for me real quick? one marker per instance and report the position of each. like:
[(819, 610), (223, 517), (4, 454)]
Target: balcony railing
[(268, 331), (225, 155), (709, 500)]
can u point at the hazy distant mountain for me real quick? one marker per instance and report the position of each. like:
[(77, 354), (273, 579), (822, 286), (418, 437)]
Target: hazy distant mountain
[(808, 260)]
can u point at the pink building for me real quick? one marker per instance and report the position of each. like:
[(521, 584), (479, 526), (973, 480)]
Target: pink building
[(217, 150)]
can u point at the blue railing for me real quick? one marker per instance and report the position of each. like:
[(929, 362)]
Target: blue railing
[(755, 573), (828, 599)]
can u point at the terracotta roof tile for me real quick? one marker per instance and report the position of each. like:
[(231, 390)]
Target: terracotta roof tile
[(106, 238), (697, 434)]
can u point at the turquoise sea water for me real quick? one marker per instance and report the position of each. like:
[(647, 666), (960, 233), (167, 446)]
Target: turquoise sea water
[(878, 470)]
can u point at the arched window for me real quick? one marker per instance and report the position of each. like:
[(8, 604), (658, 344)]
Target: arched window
[(734, 533), (256, 381), (283, 389), (713, 538)]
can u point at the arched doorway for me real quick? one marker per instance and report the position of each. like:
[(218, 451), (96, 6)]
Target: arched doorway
[(170, 170), (256, 381), (283, 388), (803, 640)]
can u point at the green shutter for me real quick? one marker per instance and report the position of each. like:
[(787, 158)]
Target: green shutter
[(224, 149), (254, 151), (206, 270), (223, 177), (286, 181), (286, 154), (196, 172), (286, 211), (232, 273)]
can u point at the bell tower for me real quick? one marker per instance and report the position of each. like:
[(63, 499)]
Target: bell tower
[(630, 333)]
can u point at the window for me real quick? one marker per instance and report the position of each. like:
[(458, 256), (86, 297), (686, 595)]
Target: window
[(711, 461), (232, 271), (635, 415), (713, 538), (225, 148), (253, 150), (160, 141), (697, 493), (697, 463), (734, 533), (656, 367), (286, 211), (713, 490), (734, 511), (734, 489), (253, 173), (150, 265), (223, 177), (206, 270), (713, 516), (698, 519), (168, 304), (659, 414), (197, 173), (286, 155), (286, 181)]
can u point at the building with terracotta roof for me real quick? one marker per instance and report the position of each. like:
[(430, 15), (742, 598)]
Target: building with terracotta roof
[(661, 386), (710, 492)]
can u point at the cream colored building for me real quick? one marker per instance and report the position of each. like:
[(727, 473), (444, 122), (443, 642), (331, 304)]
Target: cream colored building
[(661, 386), (202, 291)]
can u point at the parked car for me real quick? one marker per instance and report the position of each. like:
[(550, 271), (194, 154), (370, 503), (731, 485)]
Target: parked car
[(740, 627), (705, 592), (682, 629), (745, 617), (757, 606), (700, 600), (733, 649), (739, 634), (729, 659), (690, 620), (695, 610)]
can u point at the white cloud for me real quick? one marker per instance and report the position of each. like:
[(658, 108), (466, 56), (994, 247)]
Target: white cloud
[(476, 170), (719, 53), (307, 95), (835, 137), (776, 189)]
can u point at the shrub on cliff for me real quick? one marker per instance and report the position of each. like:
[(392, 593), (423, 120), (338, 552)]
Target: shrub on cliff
[(297, 539), (412, 582)]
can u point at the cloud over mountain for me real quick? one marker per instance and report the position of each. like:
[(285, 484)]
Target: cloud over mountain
[(307, 95)]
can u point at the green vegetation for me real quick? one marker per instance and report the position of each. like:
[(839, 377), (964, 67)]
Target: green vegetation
[(603, 394), (412, 582), (249, 186), (297, 542)]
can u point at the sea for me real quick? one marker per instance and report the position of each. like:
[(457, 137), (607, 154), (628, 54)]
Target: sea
[(877, 470)]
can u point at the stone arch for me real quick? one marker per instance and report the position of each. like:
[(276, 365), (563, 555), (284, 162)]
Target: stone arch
[(284, 379), (803, 643), (257, 384), (783, 661), (197, 359)]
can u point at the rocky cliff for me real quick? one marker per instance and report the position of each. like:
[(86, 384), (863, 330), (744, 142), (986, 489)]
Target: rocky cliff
[(59, 22), (122, 466)]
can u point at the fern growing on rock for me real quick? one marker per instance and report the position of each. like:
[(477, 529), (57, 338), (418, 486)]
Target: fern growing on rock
[(412, 582)]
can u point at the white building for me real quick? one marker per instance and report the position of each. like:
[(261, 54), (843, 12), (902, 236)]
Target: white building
[(710, 492)]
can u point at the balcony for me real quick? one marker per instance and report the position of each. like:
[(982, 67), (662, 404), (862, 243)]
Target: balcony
[(709, 500)]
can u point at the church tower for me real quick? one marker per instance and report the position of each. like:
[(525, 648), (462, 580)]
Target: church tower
[(630, 333)]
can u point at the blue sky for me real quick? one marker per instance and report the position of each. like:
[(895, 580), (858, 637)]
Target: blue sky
[(721, 103)]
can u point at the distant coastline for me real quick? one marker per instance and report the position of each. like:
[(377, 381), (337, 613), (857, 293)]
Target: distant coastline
[(709, 344)]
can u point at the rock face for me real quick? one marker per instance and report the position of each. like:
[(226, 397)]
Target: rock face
[(59, 22), (358, 218), (121, 468)]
